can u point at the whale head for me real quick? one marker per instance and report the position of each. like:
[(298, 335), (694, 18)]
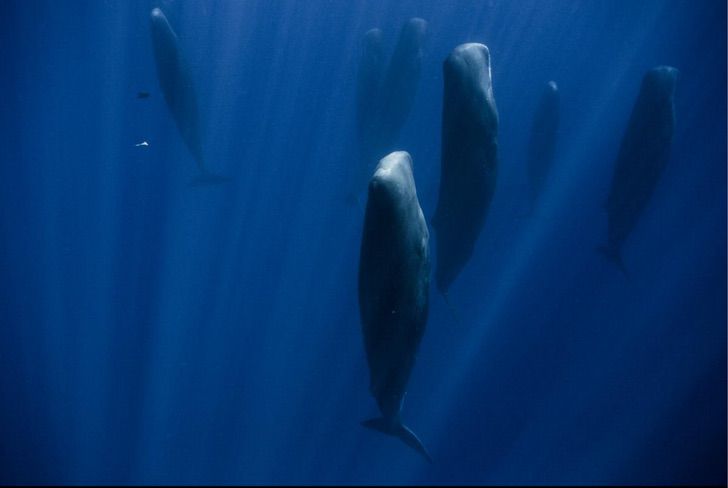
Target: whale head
[(413, 35), (372, 37), (161, 28), (156, 16), (393, 180), (468, 79), (661, 80), (469, 66)]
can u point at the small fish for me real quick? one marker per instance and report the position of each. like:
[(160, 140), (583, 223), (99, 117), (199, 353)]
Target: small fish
[(143, 94), (143, 143)]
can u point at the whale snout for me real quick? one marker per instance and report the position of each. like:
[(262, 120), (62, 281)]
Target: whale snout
[(665, 73), (661, 81), (673, 71), (157, 17), (415, 31)]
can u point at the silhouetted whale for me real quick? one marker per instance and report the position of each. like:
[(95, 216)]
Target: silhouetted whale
[(394, 284), (385, 99), (400, 83), (469, 160), (176, 83), (642, 157), (542, 145), (369, 81)]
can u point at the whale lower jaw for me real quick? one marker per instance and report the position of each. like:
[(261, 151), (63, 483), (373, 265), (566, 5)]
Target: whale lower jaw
[(399, 430)]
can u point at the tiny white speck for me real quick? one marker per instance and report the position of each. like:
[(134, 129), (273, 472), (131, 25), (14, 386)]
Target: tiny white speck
[(144, 143)]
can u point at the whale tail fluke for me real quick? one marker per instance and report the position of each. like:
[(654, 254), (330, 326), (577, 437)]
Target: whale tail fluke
[(613, 255), (207, 179), (399, 430)]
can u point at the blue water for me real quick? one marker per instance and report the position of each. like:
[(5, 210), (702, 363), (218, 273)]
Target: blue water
[(157, 332)]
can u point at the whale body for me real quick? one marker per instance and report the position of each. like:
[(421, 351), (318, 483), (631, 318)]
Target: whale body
[(399, 86), (642, 157), (369, 81), (385, 94), (469, 159), (394, 282), (542, 144), (175, 81)]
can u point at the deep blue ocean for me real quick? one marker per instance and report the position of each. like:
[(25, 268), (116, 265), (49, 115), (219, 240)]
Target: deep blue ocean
[(154, 331)]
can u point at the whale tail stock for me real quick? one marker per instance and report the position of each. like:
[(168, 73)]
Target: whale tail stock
[(399, 430), (614, 256)]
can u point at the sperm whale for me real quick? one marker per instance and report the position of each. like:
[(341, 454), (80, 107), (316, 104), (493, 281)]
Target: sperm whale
[(394, 283)]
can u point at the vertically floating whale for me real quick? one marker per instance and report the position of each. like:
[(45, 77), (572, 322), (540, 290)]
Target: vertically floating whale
[(385, 97), (542, 145), (394, 283), (176, 83), (469, 159), (369, 81), (642, 157), (400, 83)]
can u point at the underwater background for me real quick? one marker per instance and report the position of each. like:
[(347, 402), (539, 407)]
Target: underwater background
[(153, 331)]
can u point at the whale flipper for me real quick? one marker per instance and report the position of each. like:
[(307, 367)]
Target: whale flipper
[(399, 430)]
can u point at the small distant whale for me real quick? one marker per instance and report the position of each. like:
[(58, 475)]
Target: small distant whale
[(385, 99), (176, 83), (469, 159), (394, 283), (542, 145), (400, 83), (143, 94), (642, 157), (369, 81)]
